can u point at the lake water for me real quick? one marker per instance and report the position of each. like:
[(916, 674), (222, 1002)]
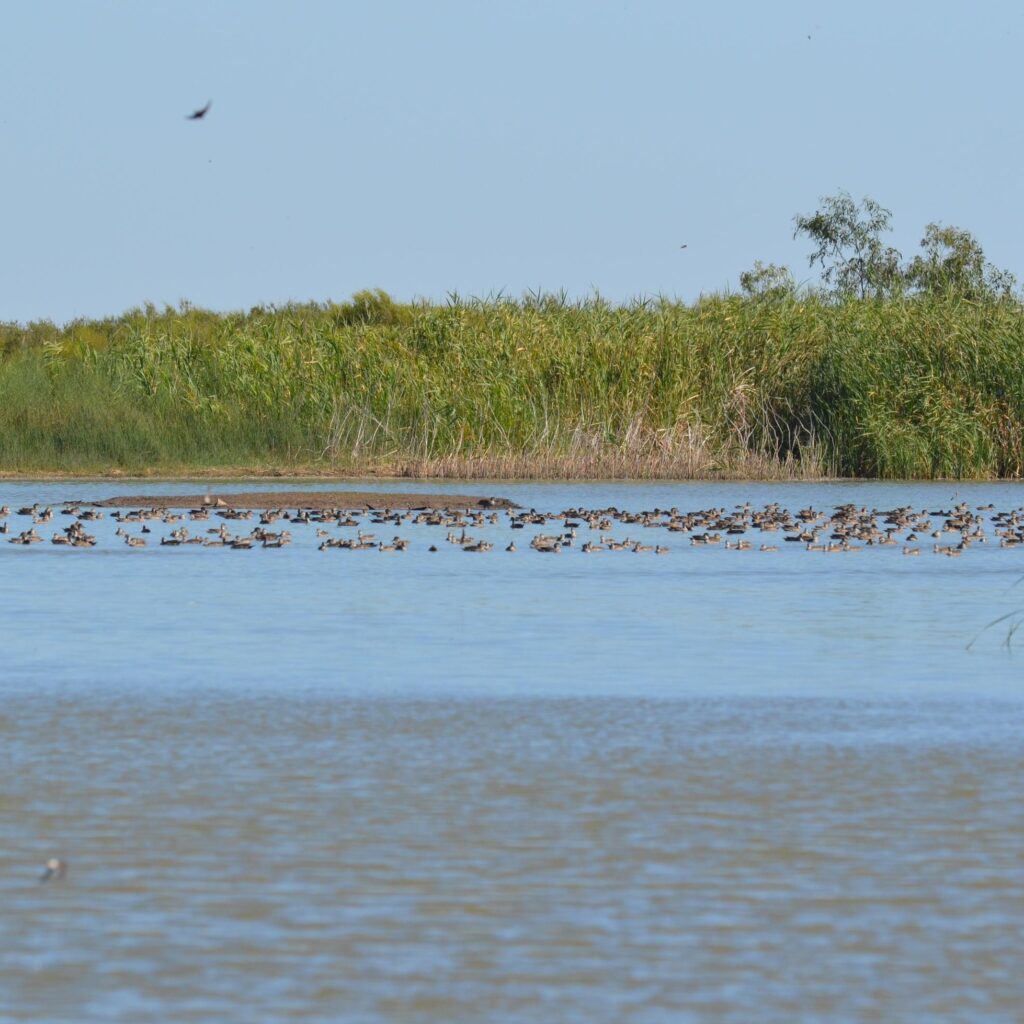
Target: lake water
[(413, 786)]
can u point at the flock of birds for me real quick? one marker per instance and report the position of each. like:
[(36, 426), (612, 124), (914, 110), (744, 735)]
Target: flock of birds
[(846, 528)]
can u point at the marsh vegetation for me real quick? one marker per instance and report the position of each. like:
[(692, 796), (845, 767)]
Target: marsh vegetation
[(541, 387), (890, 369)]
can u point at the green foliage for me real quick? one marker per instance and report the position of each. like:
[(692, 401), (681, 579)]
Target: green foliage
[(856, 263), (932, 387), (954, 264), (849, 248), (767, 281), (369, 307)]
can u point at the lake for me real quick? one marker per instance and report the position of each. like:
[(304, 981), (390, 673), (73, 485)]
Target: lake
[(439, 786)]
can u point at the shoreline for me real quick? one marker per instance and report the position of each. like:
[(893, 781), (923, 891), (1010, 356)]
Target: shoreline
[(234, 474), (540, 467)]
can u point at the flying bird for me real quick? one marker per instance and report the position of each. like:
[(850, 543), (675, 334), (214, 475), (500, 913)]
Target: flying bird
[(198, 115), (55, 868)]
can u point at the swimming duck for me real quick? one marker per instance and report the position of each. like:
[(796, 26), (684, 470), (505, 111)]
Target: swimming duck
[(55, 869)]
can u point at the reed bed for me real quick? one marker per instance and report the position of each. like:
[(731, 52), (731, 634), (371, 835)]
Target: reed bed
[(731, 386)]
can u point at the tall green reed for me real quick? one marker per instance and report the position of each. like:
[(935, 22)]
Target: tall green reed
[(915, 388)]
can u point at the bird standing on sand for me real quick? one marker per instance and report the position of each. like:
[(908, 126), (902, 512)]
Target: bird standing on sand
[(55, 868), (198, 115)]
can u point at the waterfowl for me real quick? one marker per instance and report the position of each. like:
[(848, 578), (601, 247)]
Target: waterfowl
[(547, 549), (55, 869), (27, 537), (847, 527)]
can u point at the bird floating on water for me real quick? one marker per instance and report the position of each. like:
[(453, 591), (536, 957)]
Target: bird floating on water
[(55, 868)]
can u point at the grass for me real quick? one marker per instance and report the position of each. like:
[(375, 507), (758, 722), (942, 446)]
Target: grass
[(542, 387)]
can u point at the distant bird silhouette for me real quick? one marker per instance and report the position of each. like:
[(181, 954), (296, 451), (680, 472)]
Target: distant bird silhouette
[(682, 247), (55, 868), (198, 115)]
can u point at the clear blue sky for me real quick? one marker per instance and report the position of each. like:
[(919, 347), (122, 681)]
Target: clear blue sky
[(477, 146)]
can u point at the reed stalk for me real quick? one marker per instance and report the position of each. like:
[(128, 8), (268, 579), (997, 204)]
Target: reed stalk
[(541, 387)]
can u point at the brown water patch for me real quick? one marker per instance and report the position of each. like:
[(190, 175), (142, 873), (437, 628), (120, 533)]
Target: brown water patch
[(305, 499)]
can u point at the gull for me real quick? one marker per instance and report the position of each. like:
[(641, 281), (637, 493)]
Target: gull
[(55, 868), (198, 115)]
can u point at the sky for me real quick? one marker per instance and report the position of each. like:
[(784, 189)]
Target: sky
[(477, 147)]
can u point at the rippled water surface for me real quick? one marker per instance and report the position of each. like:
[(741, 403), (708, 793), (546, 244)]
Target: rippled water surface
[(364, 786)]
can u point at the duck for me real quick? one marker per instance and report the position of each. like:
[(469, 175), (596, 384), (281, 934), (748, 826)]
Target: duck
[(55, 870)]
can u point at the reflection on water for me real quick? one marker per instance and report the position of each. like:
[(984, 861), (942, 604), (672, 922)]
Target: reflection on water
[(445, 788)]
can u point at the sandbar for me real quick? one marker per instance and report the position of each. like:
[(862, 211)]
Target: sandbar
[(305, 499)]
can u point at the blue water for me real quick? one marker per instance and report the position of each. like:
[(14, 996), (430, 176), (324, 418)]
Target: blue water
[(449, 787), (698, 621)]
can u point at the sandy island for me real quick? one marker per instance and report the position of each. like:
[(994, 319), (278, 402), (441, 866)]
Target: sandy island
[(304, 499)]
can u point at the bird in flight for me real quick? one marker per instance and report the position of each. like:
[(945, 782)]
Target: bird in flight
[(199, 114)]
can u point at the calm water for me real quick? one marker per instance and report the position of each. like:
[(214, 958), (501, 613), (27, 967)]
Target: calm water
[(355, 786)]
